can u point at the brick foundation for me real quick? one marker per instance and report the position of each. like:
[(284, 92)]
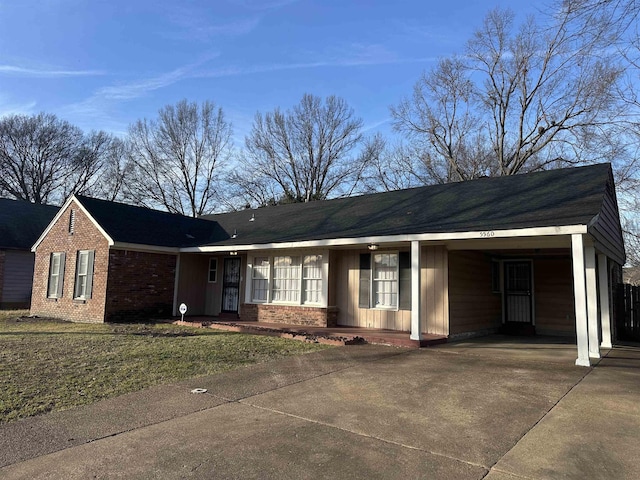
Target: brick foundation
[(289, 314)]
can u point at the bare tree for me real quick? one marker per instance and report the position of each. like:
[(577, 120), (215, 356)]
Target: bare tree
[(306, 153), (518, 100), (177, 157), (43, 158), (115, 174)]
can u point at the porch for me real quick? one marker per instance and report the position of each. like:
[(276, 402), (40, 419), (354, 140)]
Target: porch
[(328, 335)]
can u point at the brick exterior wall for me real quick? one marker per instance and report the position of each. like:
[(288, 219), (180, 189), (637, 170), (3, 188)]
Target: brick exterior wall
[(140, 286), (289, 314), (1, 275), (85, 237)]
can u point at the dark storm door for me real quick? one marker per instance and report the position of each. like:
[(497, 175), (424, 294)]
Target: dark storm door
[(231, 285), (517, 292)]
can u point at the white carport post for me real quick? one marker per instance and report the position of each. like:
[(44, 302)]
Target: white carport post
[(416, 331), (605, 309), (592, 301), (580, 299)]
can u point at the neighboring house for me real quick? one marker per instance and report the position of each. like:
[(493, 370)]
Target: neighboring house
[(20, 225), (456, 260)]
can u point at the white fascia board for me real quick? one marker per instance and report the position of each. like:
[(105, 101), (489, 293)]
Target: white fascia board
[(59, 214), (421, 237), (144, 248)]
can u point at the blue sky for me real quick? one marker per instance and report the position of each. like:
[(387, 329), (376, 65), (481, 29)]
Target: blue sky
[(102, 64)]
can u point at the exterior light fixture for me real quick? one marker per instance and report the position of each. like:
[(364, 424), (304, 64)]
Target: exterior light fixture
[(234, 253), (373, 246)]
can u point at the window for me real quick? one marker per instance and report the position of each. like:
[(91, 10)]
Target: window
[(312, 279), (286, 279), (84, 274), (260, 279), (213, 270), (56, 275), (385, 280)]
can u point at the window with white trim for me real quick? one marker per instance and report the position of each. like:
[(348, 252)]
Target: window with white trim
[(260, 279), (296, 279), (286, 279), (385, 280), (56, 275), (312, 279), (84, 274), (213, 270)]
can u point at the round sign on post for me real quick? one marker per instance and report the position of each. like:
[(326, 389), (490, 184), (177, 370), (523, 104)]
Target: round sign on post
[(182, 309)]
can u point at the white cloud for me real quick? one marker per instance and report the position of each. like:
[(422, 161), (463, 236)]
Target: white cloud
[(263, 4), (9, 108), (17, 71), (358, 55)]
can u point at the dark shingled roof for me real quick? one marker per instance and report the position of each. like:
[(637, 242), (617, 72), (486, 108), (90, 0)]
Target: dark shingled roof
[(21, 222), (571, 196), (144, 226)]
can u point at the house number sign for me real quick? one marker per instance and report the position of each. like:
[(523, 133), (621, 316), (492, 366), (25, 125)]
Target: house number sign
[(487, 234)]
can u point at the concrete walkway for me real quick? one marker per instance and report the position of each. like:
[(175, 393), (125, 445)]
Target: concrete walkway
[(494, 408)]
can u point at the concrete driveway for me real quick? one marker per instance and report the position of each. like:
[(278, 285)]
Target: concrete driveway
[(492, 408)]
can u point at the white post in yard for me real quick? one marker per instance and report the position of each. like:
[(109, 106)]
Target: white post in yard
[(605, 309), (416, 330), (579, 291), (592, 301)]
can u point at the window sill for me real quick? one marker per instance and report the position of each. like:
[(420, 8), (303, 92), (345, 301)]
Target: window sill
[(52, 299), (287, 304), (386, 309), (79, 300)]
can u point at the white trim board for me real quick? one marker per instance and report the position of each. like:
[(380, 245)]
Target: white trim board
[(485, 234)]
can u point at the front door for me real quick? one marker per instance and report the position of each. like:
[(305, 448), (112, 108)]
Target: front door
[(231, 285), (517, 292)]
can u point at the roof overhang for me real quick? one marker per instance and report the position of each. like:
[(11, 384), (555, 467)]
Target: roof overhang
[(144, 248), (421, 237)]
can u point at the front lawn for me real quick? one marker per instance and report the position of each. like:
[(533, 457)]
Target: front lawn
[(50, 365)]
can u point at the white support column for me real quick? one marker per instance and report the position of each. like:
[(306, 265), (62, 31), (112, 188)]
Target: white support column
[(592, 301), (416, 330), (580, 299), (605, 309)]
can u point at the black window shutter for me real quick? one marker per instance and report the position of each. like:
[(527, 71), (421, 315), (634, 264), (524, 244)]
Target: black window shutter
[(404, 262), (365, 281)]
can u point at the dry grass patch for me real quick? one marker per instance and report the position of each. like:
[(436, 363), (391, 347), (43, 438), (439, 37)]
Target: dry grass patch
[(52, 365)]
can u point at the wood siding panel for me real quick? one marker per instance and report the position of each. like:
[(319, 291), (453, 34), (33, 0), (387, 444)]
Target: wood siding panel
[(434, 290), (18, 277), (213, 295), (472, 305), (347, 264), (192, 282), (607, 229), (553, 296)]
